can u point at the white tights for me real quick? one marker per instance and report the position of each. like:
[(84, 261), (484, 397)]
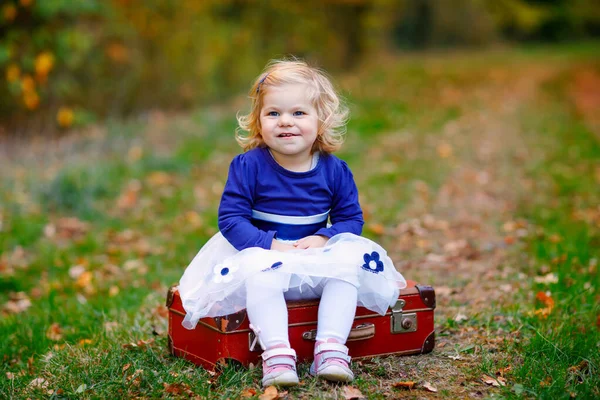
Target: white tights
[(267, 310)]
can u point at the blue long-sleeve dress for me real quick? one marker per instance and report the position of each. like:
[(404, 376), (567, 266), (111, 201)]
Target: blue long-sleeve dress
[(263, 201)]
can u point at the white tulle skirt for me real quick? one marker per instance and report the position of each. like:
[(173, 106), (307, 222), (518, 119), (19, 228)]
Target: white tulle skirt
[(214, 283)]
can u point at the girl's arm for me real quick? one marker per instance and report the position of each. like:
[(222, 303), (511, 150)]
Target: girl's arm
[(346, 214), (235, 210)]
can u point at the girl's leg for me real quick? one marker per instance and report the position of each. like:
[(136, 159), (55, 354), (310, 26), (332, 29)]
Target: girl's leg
[(267, 312), (336, 310), (336, 315)]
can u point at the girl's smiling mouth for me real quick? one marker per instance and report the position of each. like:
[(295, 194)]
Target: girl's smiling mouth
[(287, 134)]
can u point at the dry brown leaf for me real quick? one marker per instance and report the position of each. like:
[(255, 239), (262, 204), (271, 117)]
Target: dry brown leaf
[(460, 317), (246, 393), (83, 342), (144, 343), (54, 332), (129, 197), (444, 150), (38, 383), (10, 375), (429, 387), (269, 394), (352, 393), (84, 280), (113, 291), (126, 367), (404, 385), (547, 301), (488, 380), (159, 178), (17, 303)]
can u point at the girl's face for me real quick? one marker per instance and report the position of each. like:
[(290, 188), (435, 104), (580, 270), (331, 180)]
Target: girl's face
[(289, 123)]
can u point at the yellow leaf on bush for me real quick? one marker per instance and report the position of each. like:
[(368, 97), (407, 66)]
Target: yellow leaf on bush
[(65, 117), (27, 84), (9, 12), (31, 100), (117, 53), (44, 63), (13, 72)]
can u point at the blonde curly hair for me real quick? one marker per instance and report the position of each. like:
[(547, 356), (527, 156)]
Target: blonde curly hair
[(332, 113)]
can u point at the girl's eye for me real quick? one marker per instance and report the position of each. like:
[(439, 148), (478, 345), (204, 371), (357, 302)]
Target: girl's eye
[(272, 113), (299, 113)]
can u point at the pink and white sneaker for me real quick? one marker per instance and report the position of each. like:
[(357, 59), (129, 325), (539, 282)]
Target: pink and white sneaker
[(331, 361), (279, 366)]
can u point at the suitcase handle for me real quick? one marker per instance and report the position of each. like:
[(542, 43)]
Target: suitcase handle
[(359, 332)]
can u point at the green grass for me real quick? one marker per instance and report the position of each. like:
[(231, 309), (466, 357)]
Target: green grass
[(562, 354), (177, 168)]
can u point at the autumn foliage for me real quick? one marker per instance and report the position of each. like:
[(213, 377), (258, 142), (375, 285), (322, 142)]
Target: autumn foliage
[(75, 61)]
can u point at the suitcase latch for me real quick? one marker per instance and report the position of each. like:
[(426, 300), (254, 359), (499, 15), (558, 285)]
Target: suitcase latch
[(402, 322)]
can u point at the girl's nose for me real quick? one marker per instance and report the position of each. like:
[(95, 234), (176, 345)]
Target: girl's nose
[(285, 120)]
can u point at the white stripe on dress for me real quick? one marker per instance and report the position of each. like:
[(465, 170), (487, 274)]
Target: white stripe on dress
[(290, 220)]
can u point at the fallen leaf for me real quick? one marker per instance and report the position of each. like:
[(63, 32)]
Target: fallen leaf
[(269, 394), (460, 317), (83, 342), (444, 150), (547, 301), (546, 382), (492, 381), (429, 387), (352, 393), (38, 383), (126, 367), (548, 278), (129, 197), (84, 280), (159, 178), (404, 385), (10, 375), (248, 393), (144, 343), (18, 302), (178, 388), (555, 238), (54, 332)]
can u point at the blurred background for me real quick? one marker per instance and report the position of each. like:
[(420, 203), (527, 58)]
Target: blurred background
[(69, 63)]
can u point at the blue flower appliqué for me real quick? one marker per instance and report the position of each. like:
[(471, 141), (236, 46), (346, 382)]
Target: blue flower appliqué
[(223, 273), (276, 265), (372, 263)]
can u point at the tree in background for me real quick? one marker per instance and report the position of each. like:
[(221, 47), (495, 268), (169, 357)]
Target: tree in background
[(68, 62)]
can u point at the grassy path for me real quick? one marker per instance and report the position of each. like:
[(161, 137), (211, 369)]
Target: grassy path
[(478, 172)]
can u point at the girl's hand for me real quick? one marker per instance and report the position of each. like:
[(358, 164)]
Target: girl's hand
[(277, 245), (311, 242)]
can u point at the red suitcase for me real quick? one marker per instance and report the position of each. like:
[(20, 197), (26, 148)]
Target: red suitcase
[(407, 328)]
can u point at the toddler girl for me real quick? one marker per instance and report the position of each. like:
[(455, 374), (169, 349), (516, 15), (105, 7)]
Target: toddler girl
[(289, 223)]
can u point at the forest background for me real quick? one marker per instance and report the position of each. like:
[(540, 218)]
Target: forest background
[(474, 139), (68, 63)]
